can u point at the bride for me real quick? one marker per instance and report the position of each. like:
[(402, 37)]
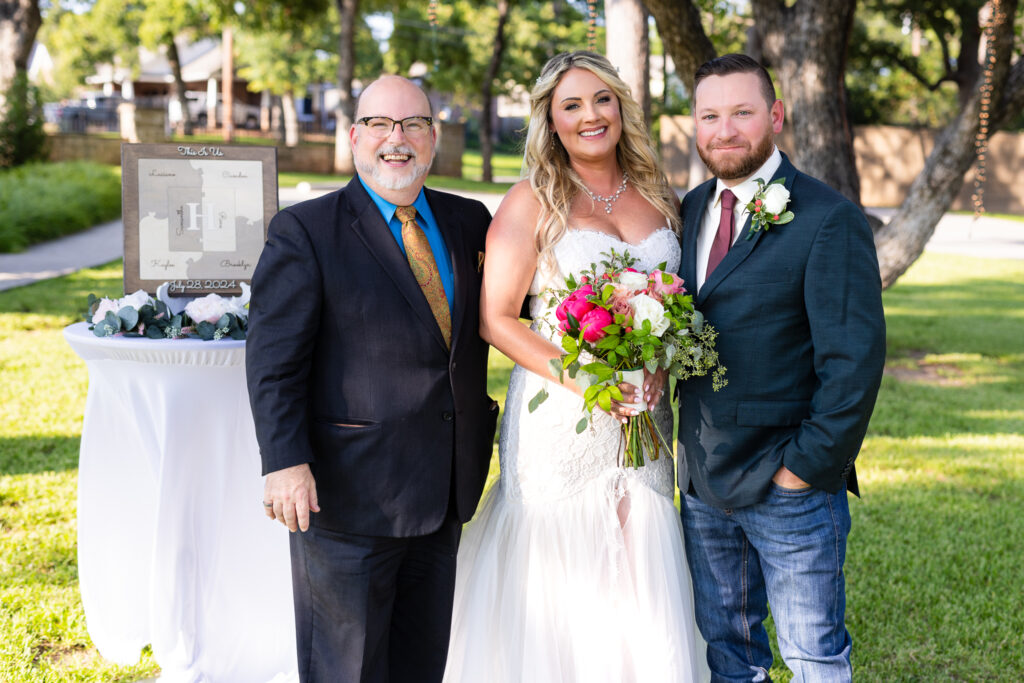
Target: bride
[(574, 569)]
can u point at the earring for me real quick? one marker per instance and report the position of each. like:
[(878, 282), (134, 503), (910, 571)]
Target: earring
[(554, 136)]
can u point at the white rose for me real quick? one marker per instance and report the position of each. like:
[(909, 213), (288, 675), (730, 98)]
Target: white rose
[(646, 308), (136, 300), (775, 199), (209, 309), (633, 280), (105, 305)]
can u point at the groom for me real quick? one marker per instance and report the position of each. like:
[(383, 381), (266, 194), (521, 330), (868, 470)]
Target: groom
[(767, 461), (367, 378)]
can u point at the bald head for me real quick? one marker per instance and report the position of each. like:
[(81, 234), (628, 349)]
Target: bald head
[(390, 92)]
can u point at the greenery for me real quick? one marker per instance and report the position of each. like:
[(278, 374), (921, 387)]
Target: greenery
[(21, 124), (933, 565), (43, 201)]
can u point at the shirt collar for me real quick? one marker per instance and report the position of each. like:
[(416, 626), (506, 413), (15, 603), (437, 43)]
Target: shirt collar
[(745, 191), (387, 209)]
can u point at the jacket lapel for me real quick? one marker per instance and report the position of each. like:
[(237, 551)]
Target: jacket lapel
[(370, 227), (450, 224), (746, 242), (691, 228)]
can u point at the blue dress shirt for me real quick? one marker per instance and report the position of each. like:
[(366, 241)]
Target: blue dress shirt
[(425, 217)]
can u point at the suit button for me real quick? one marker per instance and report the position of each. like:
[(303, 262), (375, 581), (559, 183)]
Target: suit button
[(446, 416), (453, 365)]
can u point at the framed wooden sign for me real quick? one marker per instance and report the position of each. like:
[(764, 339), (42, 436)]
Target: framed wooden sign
[(195, 215)]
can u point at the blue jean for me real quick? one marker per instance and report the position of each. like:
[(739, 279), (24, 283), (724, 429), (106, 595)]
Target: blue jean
[(788, 550)]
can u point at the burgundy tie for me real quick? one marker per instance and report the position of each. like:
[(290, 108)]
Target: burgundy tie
[(723, 238)]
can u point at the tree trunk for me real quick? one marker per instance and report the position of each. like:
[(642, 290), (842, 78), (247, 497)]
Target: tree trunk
[(348, 11), (682, 34), (179, 85), (629, 49), (19, 22), (806, 44), (227, 75), (901, 241), (291, 119), (487, 93)]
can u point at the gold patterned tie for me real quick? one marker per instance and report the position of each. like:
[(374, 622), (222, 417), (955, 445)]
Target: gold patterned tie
[(424, 269)]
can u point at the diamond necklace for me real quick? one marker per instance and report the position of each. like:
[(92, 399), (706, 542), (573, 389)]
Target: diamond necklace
[(610, 200)]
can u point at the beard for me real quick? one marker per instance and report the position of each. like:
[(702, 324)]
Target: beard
[(740, 168), (393, 181)]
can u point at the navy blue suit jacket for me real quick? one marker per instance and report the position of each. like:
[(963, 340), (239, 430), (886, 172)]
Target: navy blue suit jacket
[(802, 334), (347, 369)]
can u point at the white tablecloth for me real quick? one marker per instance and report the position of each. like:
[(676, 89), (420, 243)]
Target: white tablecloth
[(173, 546)]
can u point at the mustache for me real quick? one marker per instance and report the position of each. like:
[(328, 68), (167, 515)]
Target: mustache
[(396, 149), (732, 142)]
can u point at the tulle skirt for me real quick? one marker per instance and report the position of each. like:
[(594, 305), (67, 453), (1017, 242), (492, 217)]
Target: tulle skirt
[(589, 588)]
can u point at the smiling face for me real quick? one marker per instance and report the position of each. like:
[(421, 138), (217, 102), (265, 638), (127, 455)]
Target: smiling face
[(735, 125), (395, 166), (585, 116)]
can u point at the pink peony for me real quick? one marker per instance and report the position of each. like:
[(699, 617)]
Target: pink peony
[(576, 303), (660, 289), (593, 324)]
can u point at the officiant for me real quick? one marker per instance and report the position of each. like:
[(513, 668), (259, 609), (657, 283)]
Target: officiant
[(367, 380)]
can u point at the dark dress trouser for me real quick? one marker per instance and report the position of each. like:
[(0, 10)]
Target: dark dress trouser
[(373, 609)]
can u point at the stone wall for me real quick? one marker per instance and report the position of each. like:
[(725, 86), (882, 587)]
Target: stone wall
[(888, 159), (301, 159)]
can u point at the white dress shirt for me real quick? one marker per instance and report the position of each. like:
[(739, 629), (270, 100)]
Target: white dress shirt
[(744, 194)]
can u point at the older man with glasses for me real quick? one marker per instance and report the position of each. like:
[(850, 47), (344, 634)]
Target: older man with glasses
[(367, 379)]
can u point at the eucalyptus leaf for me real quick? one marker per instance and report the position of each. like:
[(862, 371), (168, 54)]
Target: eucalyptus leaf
[(541, 396), (698, 321), (652, 365), (555, 365), (129, 317), (581, 425)]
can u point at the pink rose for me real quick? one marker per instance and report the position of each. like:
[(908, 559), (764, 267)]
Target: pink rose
[(593, 324), (661, 289), (576, 303)]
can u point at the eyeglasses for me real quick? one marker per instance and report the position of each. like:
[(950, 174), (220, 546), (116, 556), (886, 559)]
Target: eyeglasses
[(382, 126)]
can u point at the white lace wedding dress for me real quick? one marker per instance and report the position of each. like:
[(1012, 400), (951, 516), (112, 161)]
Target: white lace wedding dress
[(573, 570)]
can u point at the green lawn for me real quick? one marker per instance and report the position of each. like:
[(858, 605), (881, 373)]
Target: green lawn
[(934, 564)]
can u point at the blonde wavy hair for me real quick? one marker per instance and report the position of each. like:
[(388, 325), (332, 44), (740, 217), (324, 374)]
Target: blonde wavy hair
[(546, 162)]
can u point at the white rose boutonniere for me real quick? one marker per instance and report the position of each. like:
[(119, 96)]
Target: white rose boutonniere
[(768, 207)]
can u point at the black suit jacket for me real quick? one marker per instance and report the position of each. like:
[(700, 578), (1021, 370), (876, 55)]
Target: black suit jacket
[(347, 369), (802, 334)]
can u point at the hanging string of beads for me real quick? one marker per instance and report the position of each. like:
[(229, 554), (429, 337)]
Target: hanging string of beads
[(981, 139), (592, 25)]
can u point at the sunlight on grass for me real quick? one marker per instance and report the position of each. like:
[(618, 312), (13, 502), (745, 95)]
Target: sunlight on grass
[(934, 562)]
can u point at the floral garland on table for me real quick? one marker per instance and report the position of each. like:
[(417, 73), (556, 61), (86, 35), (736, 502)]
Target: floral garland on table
[(141, 315)]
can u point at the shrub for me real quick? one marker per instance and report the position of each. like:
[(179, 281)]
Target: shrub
[(42, 201), (21, 126)]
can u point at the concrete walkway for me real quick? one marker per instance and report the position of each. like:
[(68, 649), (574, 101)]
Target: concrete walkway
[(960, 234)]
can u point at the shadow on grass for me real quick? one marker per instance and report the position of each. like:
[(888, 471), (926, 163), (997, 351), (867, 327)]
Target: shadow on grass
[(37, 454)]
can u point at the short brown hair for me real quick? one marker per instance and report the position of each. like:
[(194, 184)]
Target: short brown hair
[(736, 63)]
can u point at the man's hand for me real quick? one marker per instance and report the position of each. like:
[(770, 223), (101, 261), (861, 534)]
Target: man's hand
[(289, 495), (788, 480)]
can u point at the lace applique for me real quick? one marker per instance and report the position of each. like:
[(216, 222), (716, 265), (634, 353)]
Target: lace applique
[(542, 457)]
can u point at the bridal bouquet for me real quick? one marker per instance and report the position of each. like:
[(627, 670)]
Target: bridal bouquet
[(615, 321), (140, 315)]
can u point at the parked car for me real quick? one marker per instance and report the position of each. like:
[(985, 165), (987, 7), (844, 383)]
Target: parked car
[(245, 115), (91, 113)]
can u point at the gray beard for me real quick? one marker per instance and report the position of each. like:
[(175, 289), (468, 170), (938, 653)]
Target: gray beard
[(391, 182)]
